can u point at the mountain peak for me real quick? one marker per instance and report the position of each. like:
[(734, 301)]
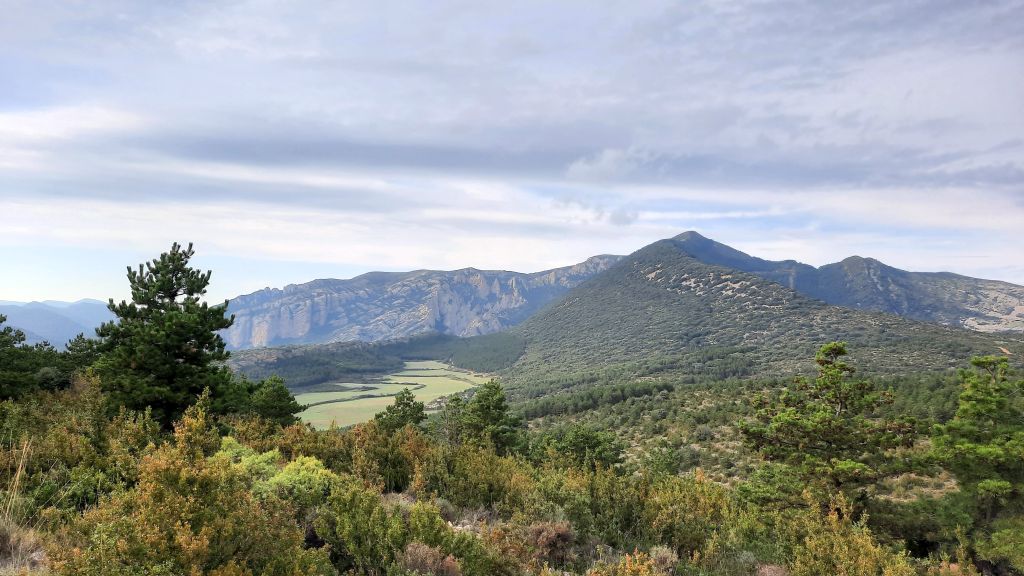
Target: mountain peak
[(866, 283), (711, 252), (690, 235), (855, 259)]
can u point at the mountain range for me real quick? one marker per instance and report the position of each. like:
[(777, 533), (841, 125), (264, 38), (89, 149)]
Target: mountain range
[(380, 306), (685, 309), (867, 284), (53, 321)]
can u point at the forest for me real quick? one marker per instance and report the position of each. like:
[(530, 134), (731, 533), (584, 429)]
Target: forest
[(140, 452)]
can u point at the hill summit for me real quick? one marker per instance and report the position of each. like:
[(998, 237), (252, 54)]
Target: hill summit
[(867, 284), (691, 305)]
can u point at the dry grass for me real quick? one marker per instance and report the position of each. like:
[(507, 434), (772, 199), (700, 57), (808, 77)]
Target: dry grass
[(21, 550)]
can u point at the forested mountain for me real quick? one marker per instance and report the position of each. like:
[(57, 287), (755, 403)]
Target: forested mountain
[(56, 322), (383, 305), (866, 283), (662, 309), (469, 302)]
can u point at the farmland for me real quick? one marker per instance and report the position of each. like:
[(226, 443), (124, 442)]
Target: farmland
[(355, 402)]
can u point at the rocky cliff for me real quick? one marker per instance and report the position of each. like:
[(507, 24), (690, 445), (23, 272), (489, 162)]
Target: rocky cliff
[(383, 305)]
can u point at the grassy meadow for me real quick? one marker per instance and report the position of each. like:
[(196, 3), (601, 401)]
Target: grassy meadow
[(354, 403)]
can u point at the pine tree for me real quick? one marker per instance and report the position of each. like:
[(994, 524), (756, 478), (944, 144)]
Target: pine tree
[(24, 367), (405, 410), (163, 349), (486, 417), (273, 401), (984, 446), (985, 439), (826, 429)]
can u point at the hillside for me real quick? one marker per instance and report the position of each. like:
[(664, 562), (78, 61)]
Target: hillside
[(867, 284), (383, 305), (661, 310)]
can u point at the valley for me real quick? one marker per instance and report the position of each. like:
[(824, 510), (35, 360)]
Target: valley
[(356, 402)]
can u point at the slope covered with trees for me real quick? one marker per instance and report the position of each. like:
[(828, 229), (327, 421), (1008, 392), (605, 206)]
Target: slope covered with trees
[(662, 312), (471, 491), (867, 284)]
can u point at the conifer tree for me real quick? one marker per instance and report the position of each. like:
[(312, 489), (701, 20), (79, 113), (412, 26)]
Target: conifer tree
[(272, 400), (487, 417), (984, 446), (163, 349), (405, 410), (26, 367), (826, 428)]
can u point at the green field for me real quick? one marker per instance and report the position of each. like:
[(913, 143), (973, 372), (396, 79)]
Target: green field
[(428, 380)]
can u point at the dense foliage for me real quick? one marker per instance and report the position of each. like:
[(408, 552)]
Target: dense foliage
[(28, 367), (99, 494), (240, 494)]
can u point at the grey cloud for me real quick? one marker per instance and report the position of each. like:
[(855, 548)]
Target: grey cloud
[(623, 216), (700, 93)]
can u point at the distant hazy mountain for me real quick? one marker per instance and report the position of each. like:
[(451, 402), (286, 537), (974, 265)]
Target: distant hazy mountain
[(383, 305), (56, 322), (867, 284)]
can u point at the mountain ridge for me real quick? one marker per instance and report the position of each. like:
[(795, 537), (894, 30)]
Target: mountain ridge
[(866, 283), (378, 305), (383, 305), (54, 321), (662, 311)]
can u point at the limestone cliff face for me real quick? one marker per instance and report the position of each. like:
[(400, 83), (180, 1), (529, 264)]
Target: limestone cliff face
[(383, 305)]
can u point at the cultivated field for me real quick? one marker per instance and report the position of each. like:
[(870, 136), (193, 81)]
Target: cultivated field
[(358, 402)]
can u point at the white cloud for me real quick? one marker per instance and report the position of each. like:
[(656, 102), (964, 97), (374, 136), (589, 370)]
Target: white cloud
[(27, 137), (521, 135), (609, 164)]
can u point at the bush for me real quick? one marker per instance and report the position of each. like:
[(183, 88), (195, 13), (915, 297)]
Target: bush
[(188, 514), (304, 482), (834, 544), (552, 542), (636, 564), (21, 549), (420, 559)]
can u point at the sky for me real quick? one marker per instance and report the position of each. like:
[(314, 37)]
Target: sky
[(321, 139)]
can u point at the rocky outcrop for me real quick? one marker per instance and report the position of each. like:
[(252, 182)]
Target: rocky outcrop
[(867, 284), (383, 305)]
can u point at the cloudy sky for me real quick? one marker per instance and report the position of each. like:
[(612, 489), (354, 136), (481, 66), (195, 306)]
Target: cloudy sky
[(303, 139)]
